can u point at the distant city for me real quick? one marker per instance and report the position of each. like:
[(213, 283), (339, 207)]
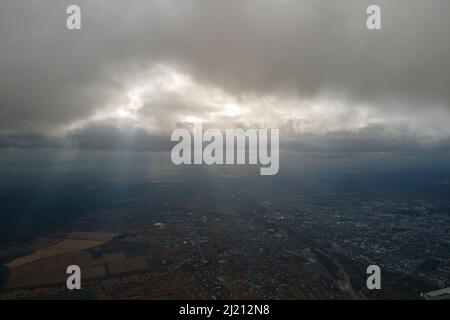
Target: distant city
[(224, 235)]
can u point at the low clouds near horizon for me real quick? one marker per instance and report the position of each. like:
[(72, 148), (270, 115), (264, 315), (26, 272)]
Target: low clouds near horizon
[(309, 67)]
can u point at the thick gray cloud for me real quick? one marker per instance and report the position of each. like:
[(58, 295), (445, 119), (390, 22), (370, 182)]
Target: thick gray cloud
[(305, 64)]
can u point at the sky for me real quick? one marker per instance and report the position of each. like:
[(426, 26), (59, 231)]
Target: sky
[(308, 67)]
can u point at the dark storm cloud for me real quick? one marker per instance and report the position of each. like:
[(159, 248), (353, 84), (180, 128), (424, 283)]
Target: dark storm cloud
[(103, 136), (98, 136), (51, 77), (111, 138)]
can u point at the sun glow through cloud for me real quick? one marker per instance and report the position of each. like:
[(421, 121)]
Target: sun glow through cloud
[(163, 96)]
